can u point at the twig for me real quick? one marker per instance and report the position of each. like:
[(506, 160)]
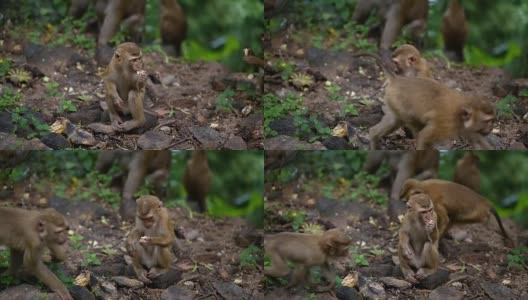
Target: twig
[(187, 279), (456, 279)]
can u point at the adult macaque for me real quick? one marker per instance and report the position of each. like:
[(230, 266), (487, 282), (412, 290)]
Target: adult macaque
[(150, 242), (154, 165), (197, 179), (27, 234), (173, 26), (410, 63), (467, 171), (433, 112), (454, 29), (453, 203), (418, 239), (394, 15), (305, 250), (125, 82), (128, 13)]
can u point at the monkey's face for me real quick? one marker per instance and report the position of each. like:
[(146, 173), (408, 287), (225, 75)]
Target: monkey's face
[(422, 204), (136, 63), (148, 220), (336, 242)]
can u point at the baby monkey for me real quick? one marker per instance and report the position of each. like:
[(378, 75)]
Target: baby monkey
[(149, 244), (418, 239), (306, 251), (410, 63)]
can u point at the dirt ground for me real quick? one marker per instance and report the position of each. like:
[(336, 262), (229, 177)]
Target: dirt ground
[(207, 251), (360, 81), (183, 95), (475, 268)]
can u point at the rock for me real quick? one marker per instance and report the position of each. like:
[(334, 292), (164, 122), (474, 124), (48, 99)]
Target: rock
[(376, 270), (108, 270), (337, 143), (258, 296), (55, 141), (497, 291), (373, 291), (396, 283), (208, 137), (108, 287), (6, 123), (11, 142), (128, 282), (21, 292), (446, 293), (284, 126), (284, 142), (347, 293), (81, 293), (229, 290), (517, 146), (85, 117), (251, 127), (154, 140), (176, 293), (432, 281), (235, 143), (166, 279)]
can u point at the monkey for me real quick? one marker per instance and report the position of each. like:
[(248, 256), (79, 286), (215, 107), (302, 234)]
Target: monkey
[(394, 15), (433, 112), (410, 63), (173, 27), (125, 81), (418, 239), (454, 28), (78, 8), (150, 242), (28, 233), (453, 203), (305, 250), (467, 171), (197, 179), (128, 13), (153, 165), (403, 165)]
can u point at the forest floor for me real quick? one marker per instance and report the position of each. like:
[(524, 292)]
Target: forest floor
[(348, 90), (475, 268), (199, 105), (208, 255)]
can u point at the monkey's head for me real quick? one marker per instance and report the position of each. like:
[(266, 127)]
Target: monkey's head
[(409, 188), (478, 115), (405, 58), (422, 205), (129, 55), (335, 242), (52, 227), (148, 208)]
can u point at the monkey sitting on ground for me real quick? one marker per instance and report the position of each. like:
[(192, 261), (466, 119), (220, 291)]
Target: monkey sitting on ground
[(306, 251), (433, 112), (410, 63), (418, 239), (28, 233), (150, 242)]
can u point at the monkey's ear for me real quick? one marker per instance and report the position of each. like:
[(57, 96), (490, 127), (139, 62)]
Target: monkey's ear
[(466, 114), (117, 55), (412, 59)]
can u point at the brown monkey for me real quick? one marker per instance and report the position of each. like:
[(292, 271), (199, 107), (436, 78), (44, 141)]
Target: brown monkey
[(467, 171), (433, 112), (410, 63), (153, 165), (453, 203), (403, 165), (305, 250), (128, 13), (150, 242), (173, 26), (27, 234), (395, 15), (454, 29), (124, 82), (418, 239), (197, 179)]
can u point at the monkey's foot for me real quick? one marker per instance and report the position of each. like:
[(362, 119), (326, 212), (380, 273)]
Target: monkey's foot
[(142, 276), (155, 272), (127, 210)]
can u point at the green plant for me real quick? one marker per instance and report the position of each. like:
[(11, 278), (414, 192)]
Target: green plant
[(5, 65), (297, 218), (366, 187), (358, 259), (66, 105), (9, 98), (334, 94), (224, 101), (523, 93), (90, 259), (24, 119), (349, 109), (504, 106), (75, 240), (249, 257), (276, 108), (518, 258), (53, 89)]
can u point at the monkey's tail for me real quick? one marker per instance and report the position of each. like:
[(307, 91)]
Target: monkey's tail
[(496, 215), (386, 69)]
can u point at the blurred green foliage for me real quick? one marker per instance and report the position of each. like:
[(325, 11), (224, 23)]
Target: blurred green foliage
[(236, 188), (218, 30), (497, 36), (337, 174)]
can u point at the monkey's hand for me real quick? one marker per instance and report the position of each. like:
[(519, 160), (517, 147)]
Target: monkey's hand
[(142, 276), (408, 252), (145, 240), (430, 226), (141, 76), (421, 274), (410, 277)]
